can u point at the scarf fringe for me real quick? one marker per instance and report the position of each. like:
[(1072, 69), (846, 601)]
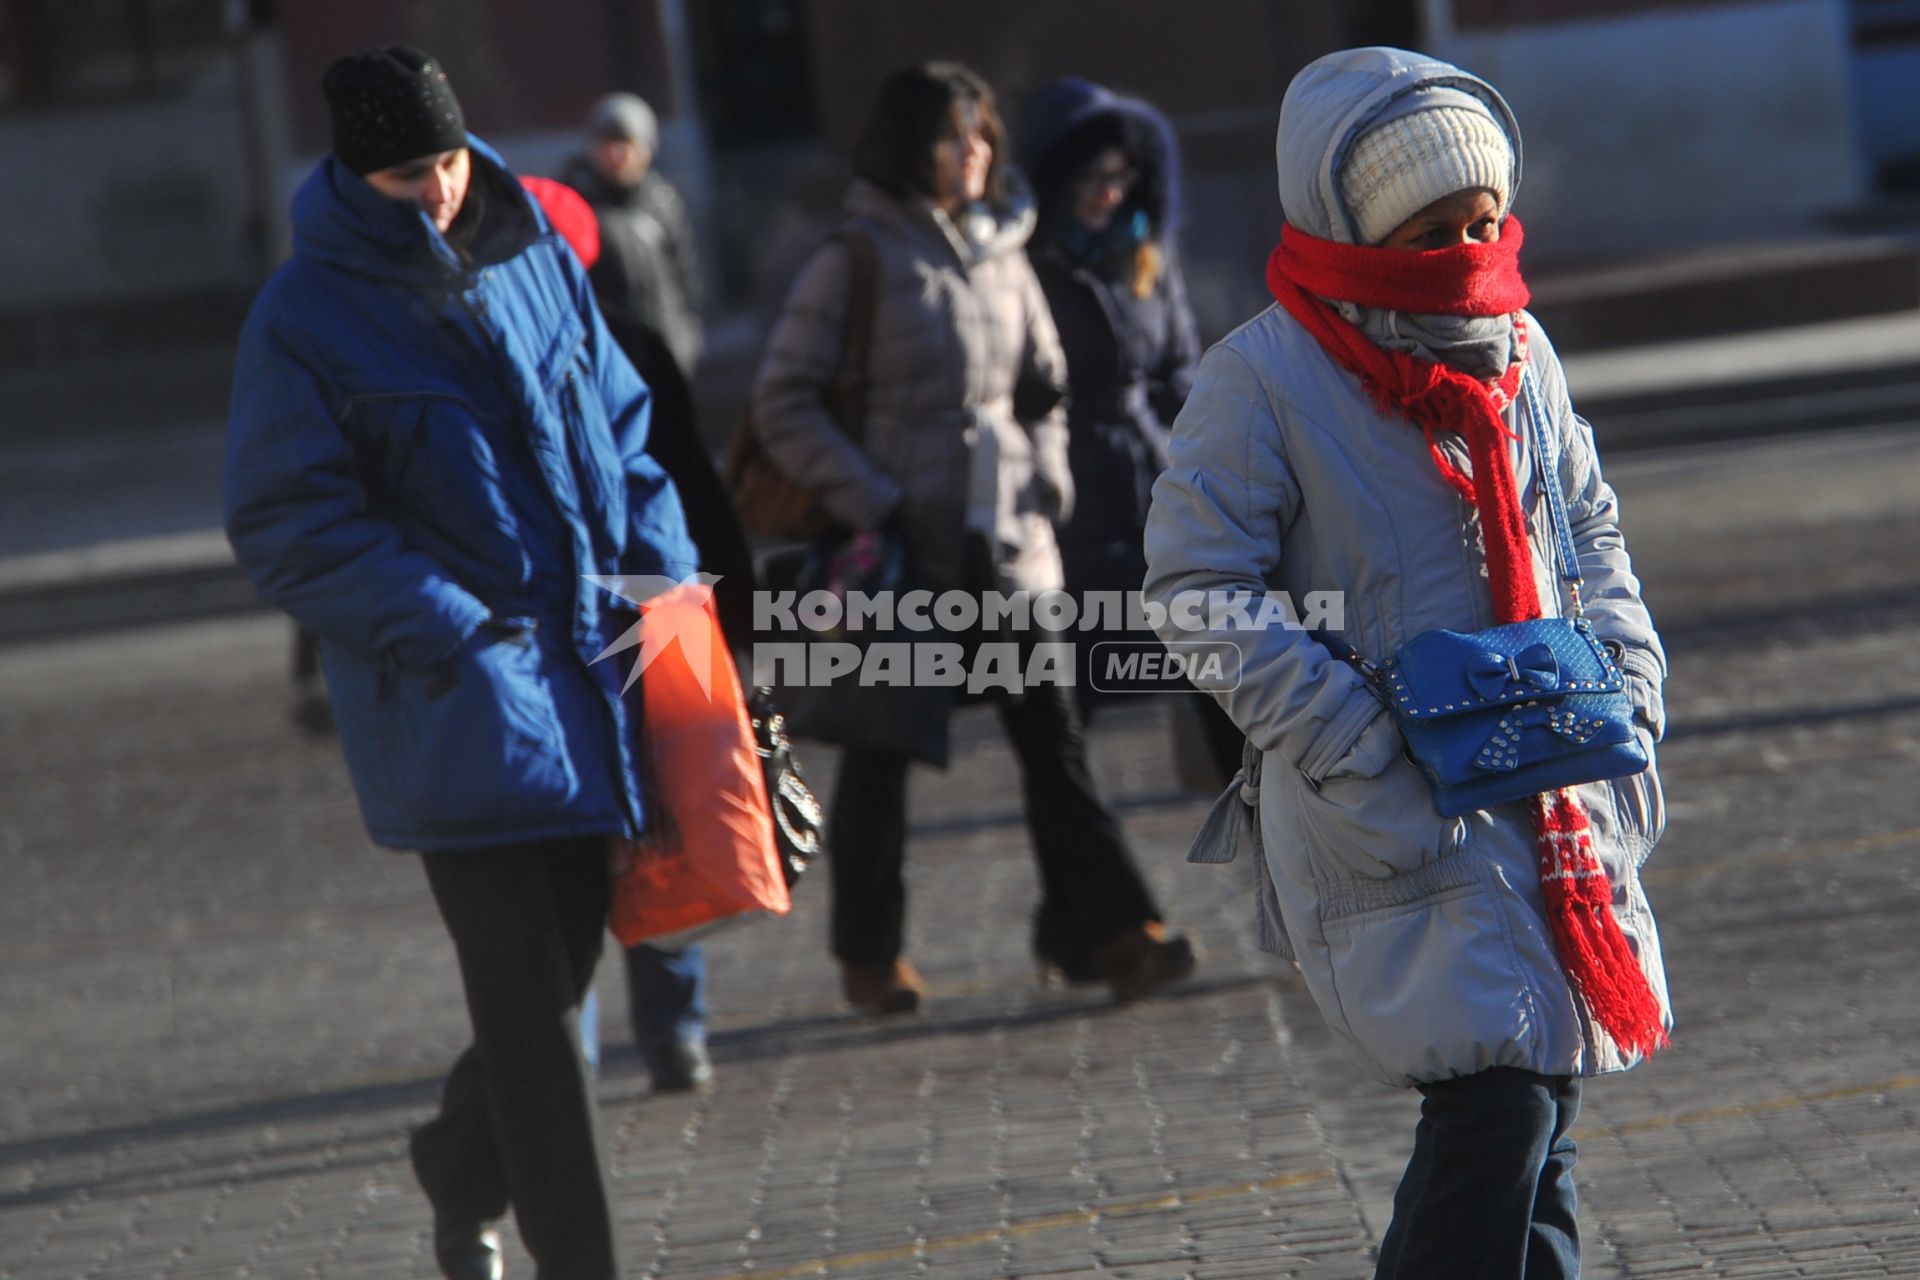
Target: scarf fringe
[(1594, 951)]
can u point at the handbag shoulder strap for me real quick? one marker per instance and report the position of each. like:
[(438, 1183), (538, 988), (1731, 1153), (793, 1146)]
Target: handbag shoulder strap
[(1546, 478), (847, 394)]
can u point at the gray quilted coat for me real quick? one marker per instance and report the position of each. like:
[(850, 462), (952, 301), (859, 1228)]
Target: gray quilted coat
[(1422, 939), (960, 324)]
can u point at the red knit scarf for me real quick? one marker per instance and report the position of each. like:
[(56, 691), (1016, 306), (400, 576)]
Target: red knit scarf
[(1478, 280)]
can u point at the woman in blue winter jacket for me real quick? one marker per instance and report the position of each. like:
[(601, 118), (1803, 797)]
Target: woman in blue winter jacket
[(1105, 172), (433, 439)]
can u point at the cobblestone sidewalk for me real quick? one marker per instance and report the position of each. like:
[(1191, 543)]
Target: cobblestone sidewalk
[(220, 1011)]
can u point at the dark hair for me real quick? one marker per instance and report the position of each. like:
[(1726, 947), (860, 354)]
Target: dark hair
[(1055, 177), (915, 109)]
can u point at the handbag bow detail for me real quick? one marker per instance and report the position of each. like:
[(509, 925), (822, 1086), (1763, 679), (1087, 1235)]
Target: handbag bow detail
[(1502, 750), (1534, 667)]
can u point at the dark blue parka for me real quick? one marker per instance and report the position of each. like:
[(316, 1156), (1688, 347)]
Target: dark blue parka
[(1130, 359), (427, 453)]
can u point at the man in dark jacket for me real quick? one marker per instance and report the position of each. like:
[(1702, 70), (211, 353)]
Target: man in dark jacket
[(433, 438), (649, 268)]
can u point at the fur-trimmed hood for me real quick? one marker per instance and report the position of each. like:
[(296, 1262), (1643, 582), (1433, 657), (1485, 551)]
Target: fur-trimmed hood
[(1057, 122)]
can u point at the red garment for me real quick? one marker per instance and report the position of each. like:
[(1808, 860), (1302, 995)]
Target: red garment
[(1478, 280), (1473, 280), (1466, 280), (570, 215)]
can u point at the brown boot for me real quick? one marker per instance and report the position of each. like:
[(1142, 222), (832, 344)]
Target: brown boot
[(1143, 960), (880, 989)]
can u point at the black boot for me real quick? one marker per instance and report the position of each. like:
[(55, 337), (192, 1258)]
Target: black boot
[(467, 1250)]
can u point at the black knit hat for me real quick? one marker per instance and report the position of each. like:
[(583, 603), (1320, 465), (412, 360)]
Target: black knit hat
[(390, 106)]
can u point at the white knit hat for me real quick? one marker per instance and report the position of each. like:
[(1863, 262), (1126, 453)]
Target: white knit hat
[(1404, 164)]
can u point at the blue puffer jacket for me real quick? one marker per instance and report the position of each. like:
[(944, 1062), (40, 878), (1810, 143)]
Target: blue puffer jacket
[(1130, 359), (425, 456)]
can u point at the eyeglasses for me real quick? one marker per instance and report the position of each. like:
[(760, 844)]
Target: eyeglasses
[(1101, 179), (963, 141)]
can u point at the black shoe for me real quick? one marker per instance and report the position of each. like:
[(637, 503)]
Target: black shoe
[(1143, 960), (678, 1064), (467, 1251), (312, 711), (1059, 966)]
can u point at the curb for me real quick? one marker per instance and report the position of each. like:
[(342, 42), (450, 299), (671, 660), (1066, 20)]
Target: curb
[(136, 582), (1801, 404), (1746, 289), (1860, 372)]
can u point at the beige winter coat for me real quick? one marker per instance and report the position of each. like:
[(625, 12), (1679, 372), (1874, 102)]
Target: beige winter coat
[(960, 322)]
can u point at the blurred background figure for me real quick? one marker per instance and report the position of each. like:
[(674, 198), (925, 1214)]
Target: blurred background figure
[(963, 455), (310, 708), (649, 268), (1105, 172), (666, 989)]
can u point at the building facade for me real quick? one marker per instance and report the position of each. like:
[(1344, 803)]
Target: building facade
[(153, 144)]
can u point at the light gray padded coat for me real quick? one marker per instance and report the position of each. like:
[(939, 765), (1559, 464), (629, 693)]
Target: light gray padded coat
[(1423, 939), (960, 322)]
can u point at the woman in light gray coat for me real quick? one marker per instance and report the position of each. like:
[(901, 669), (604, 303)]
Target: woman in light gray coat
[(1429, 943), (963, 455)]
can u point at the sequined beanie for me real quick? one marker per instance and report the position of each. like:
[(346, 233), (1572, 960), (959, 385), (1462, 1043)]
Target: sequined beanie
[(390, 106)]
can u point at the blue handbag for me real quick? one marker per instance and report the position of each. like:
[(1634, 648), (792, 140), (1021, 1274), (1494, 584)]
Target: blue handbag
[(1502, 714)]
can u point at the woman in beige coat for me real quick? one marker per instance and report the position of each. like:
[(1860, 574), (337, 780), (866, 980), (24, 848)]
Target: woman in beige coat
[(963, 456)]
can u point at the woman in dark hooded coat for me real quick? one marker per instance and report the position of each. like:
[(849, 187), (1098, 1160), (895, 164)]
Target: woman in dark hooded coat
[(1105, 171)]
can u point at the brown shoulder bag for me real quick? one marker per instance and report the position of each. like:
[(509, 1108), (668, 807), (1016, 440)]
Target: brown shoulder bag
[(771, 503)]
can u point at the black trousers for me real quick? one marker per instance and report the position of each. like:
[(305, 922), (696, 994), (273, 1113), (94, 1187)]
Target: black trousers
[(518, 1125), (1091, 890)]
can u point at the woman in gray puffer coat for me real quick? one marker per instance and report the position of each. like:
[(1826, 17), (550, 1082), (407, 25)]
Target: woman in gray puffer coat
[(1436, 948), (963, 455)]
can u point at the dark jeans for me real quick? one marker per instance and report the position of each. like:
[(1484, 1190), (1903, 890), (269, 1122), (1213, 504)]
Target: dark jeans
[(1488, 1194), (518, 1125), (1091, 891), (666, 993)]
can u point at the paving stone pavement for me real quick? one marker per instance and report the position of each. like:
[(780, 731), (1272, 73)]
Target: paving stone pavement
[(220, 1010)]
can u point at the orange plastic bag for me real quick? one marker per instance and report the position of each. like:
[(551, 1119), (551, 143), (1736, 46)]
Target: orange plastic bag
[(708, 853)]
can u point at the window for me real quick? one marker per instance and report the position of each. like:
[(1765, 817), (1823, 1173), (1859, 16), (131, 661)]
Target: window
[(1886, 21), (78, 50)]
